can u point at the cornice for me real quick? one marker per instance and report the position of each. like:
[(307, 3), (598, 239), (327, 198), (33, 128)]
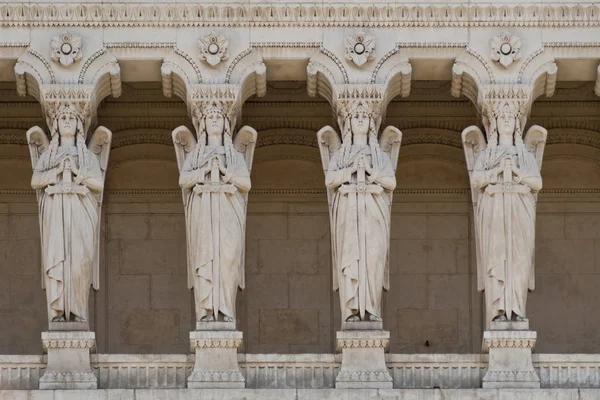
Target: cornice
[(294, 14)]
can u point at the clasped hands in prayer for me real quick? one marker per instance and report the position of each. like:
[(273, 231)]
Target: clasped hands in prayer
[(361, 162), (499, 171), (226, 172), (68, 164)]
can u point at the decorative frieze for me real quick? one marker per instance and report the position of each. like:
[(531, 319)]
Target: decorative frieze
[(299, 14)]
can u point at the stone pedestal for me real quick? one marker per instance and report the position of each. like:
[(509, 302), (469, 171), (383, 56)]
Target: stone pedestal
[(363, 361), (216, 363), (68, 360), (510, 345)]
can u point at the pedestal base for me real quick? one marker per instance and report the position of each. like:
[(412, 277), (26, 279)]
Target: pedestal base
[(363, 361), (68, 360), (510, 364), (216, 364)]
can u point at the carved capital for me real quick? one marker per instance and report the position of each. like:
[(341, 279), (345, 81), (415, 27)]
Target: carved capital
[(204, 99), (502, 99), (84, 85)]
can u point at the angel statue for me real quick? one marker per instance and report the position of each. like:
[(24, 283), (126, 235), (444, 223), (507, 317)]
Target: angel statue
[(215, 179), (360, 179), (68, 177), (505, 179)]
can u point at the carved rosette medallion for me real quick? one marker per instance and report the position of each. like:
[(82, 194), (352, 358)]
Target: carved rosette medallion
[(360, 48), (213, 48), (506, 49), (66, 49)]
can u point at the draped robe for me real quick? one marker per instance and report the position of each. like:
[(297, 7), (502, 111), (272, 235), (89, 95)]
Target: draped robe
[(69, 223), (347, 234), (215, 233), (506, 276)]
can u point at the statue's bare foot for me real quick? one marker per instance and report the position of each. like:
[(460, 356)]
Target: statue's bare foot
[(501, 318), (228, 319), (79, 319), (60, 318), (375, 318), (208, 318), (353, 318), (521, 319)]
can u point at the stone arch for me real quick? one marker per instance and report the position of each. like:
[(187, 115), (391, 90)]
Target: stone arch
[(142, 161), (282, 154), (430, 161), (571, 167)]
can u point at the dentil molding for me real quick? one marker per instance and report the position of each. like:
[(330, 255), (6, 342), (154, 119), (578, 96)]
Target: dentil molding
[(294, 14)]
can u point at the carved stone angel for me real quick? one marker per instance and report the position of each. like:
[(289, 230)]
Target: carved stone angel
[(505, 179), (69, 180), (360, 179), (215, 179)]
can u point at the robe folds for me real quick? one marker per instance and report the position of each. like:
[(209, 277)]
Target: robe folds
[(505, 226), (215, 232), (347, 233), (69, 223)]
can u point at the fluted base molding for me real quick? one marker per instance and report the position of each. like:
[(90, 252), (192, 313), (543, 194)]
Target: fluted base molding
[(510, 360), (363, 360), (68, 360), (216, 363)]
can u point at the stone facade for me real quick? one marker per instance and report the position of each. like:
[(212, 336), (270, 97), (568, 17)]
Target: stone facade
[(278, 73)]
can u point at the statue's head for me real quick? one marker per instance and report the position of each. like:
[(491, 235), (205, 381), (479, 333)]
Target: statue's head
[(360, 120), (506, 118), (67, 122), (214, 120)]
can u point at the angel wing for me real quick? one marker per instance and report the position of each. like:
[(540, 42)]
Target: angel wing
[(245, 143), (390, 142), (38, 143), (329, 142), (535, 142), (184, 142), (100, 146), (473, 143)]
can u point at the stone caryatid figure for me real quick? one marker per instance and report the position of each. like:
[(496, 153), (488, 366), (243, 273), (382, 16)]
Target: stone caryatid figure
[(360, 179), (69, 179), (215, 179), (505, 179)]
